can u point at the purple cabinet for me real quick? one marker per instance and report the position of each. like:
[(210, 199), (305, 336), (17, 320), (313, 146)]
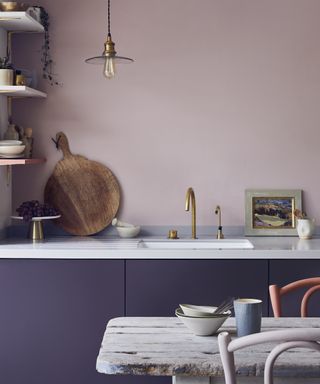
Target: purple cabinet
[(53, 315), (156, 287), (283, 272), (54, 312)]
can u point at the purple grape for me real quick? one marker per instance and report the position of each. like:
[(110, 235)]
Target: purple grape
[(33, 208)]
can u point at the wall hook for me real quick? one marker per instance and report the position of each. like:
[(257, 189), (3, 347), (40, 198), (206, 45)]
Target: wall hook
[(56, 142)]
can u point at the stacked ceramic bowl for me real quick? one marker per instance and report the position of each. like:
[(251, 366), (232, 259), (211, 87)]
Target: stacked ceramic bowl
[(11, 149), (201, 320)]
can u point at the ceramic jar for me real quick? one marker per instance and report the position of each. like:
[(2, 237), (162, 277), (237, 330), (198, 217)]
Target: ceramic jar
[(6, 76), (11, 133), (305, 228)]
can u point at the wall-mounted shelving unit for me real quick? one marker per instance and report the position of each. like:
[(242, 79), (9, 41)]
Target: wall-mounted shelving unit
[(20, 91), (21, 161), (19, 22)]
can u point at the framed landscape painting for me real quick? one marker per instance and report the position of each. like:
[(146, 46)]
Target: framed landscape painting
[(270, 212)]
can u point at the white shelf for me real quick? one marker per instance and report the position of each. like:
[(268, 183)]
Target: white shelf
[(21, 161), (20, 91), (19, 22)]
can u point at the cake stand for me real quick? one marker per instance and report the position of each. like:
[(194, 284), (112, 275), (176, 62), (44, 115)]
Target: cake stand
[(35, 226)]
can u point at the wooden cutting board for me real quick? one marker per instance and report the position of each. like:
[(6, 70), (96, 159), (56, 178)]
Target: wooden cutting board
[(85, 192)]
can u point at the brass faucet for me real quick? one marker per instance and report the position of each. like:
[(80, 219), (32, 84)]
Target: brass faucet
[(190, 196), (219, 232)]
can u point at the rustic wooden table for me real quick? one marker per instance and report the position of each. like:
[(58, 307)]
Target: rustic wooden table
[(163, 346)]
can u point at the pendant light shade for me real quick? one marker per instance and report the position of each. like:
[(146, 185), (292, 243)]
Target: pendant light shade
[(109, 58)]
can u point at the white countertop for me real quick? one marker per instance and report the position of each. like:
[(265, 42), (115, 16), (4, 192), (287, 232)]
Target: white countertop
[(115, 248)]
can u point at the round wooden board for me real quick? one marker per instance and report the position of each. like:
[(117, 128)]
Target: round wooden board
[(85, 192)]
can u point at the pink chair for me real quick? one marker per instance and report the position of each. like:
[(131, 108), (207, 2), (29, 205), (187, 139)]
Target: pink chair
[(276, 294), (287, 339)]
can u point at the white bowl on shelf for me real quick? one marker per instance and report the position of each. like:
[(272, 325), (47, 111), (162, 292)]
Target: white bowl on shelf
[(202, 326), (11, 150), (10, 142), (128, 232)]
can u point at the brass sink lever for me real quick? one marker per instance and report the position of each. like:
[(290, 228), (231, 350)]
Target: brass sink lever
[(219, 232)]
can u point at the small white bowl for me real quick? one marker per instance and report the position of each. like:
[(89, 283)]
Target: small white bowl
[(201, 311), (11, 150), (197, 310), (202, 326), (10, 142), (128, 232)]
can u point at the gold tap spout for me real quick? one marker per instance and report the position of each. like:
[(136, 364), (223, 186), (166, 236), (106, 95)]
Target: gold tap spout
[(190, 196), (219, 232)]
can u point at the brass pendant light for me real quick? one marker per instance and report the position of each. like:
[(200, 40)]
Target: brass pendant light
[(109, 57)]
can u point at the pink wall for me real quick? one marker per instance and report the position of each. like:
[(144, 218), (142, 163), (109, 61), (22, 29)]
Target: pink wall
[(223, 96)]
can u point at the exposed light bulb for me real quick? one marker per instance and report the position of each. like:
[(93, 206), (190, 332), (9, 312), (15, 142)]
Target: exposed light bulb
[(109, 56), (109, 68)]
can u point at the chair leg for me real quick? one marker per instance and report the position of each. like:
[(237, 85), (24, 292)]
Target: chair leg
[(227, 358), (274, 291)]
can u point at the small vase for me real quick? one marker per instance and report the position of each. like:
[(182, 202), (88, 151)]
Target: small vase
[(6, 76), (305, 228)]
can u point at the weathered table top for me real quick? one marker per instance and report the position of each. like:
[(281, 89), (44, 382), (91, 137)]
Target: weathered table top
[(163, 346)]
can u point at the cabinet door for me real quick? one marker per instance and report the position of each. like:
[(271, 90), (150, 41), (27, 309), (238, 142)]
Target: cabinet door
[(157, 287), (283, 272), (53, 314)]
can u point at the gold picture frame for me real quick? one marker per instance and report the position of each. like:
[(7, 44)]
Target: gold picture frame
[(270, 212)]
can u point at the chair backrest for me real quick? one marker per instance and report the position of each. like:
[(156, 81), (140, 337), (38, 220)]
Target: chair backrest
[(287, 339), (276, 293)]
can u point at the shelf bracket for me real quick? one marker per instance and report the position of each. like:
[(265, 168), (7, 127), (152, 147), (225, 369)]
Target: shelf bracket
[(9, 44), (9, 103), (9, 175)]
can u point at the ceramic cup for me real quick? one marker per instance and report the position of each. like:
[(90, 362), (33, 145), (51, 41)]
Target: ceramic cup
[(6, 76), (248, 313), (305, 228)]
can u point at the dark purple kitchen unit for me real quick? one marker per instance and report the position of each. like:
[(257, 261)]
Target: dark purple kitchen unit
[(283, 272), (54, 312), (156, 287), (53, 316)]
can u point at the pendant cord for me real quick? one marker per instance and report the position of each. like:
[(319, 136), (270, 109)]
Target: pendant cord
[(109, 18)]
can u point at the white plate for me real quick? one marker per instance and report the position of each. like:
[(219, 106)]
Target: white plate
[(10, 142), (37, 218)]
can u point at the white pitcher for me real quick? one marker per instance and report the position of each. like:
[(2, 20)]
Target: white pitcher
[(305, 228)]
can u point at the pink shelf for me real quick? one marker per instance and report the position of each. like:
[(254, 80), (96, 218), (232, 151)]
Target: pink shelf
[(21, 161)]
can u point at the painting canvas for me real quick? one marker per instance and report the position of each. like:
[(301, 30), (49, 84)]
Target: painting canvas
[(271, 212)]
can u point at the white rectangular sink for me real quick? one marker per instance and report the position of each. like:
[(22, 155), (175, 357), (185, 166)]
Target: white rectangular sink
[(197, 244)]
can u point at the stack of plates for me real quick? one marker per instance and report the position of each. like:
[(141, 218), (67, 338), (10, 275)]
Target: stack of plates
[(200, 319), (11, 149)]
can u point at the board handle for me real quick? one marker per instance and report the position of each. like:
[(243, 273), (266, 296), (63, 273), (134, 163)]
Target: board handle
[(62, 143)]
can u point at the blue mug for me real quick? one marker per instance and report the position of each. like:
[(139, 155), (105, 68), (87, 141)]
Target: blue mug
[(248, 313)]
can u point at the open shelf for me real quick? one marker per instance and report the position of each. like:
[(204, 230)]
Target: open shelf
[(21, 161), (19, 22), (20, 91)]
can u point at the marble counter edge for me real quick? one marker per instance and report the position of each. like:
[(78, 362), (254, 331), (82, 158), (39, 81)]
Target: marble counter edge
[(105, 248)]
